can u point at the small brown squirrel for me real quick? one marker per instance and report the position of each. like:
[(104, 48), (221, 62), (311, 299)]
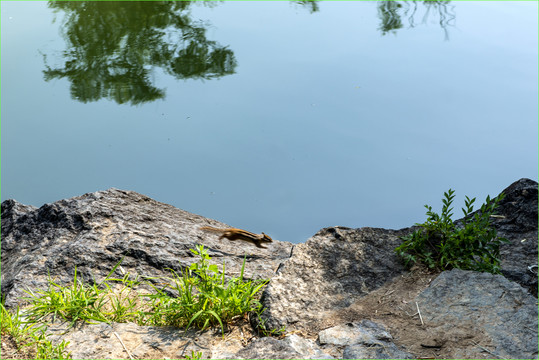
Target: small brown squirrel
[(234, 234)]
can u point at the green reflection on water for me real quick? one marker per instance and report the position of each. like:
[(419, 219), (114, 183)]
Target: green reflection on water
[(112, 48), (390, 13)]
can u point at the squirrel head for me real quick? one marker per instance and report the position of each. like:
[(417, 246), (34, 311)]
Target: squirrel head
[(266, 238)]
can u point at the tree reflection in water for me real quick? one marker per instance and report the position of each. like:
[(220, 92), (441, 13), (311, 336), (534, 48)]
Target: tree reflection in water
[(112, 48), (390, 14)]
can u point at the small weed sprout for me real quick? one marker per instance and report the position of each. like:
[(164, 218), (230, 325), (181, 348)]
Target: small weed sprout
[(45, 349), (263, 329), (443, 245), (29, 335), (194, 355)]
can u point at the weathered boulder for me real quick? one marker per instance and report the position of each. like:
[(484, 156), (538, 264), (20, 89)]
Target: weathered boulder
[(268, 348), (519, 209), (338, 265), (363, 340), (517, 221), (519, 225), (122, 340), (329, 271), (93, 232), (291, 347), (490, 312), (308, 348), (344, 290)]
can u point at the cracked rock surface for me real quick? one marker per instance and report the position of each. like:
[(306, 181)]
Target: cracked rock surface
[(93, 232), (342, 294)]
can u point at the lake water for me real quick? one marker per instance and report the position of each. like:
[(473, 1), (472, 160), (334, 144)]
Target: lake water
[(279, 117)]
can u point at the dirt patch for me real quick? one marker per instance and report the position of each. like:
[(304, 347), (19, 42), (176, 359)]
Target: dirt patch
[(393, 306)]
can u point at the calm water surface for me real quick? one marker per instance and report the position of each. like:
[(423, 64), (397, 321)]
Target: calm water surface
[(270, 116)]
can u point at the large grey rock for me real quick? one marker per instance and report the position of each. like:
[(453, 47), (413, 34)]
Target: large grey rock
[(363, 332), (518, 208), (291, 347), (268, 348), (95, 231), (466, 314), (329, 271), (484, 306), (308, 348), (519, 225), (363, 340), (360, 351), (517, 221), (120, 340)]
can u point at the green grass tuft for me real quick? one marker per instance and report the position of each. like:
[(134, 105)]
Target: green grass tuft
[(202, 298), (28, 335)]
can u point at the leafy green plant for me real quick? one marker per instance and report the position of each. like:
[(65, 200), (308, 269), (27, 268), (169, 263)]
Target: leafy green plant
[(441, 244)]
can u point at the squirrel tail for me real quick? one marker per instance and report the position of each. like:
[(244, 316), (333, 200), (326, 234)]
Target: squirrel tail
[(209, 228)]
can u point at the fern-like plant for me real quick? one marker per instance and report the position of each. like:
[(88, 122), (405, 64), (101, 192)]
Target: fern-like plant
[(441, 244)]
